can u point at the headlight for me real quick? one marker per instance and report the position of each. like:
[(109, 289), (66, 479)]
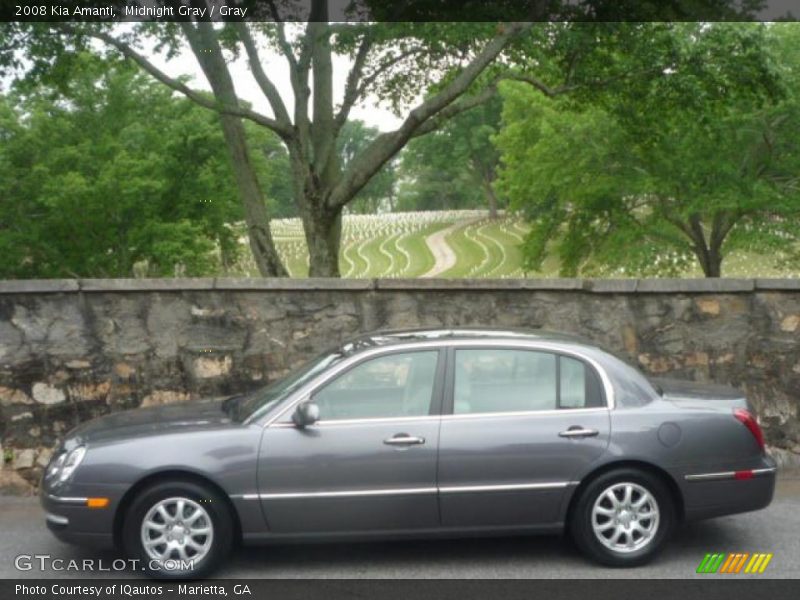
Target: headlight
[(71, 462), (55, 465)]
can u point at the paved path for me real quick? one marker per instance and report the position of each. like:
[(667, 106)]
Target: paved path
[(775, 529), (443, 255)]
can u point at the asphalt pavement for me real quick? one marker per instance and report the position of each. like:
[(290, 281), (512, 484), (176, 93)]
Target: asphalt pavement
[(775, 529)]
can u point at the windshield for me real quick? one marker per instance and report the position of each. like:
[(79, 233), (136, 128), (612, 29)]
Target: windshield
[(262, 400)]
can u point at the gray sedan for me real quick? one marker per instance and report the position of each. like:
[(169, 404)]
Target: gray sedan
[(416, 433)]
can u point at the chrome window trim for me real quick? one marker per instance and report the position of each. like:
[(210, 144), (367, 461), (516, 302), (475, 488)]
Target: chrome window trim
[(525, 413), (723, 475), (447, 489), (308, 389), (333, 422), (450, 417)]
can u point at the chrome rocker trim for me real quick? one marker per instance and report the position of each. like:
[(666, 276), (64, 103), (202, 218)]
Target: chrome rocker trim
[(67, 499), (449, 489), (57, 519), (723, 475)]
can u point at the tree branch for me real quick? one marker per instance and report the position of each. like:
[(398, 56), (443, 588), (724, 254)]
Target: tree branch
[(454, 109), (548, 91), (283, 42), (352, 88), (264, 82), (373, 76), (194, 95), (323, 130), (723, 223), (386, 145), (552, 92), (298, 75)]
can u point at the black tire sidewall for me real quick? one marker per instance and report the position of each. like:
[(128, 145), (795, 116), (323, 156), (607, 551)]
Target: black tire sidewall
[(581, 521), (212, 502)]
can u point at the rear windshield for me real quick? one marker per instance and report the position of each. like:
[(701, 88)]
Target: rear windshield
[(632, 387)]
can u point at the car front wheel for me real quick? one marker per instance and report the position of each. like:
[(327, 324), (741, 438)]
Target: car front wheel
[(623, 518), (178, 530)]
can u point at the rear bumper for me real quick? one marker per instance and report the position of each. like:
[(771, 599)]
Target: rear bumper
[(717, 493)]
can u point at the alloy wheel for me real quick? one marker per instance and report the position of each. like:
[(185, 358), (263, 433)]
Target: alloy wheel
[(177, 529), (625, 517)]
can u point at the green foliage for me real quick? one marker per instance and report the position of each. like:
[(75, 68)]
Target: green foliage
[(109, 170), (455, 166), (378, 194), (644, 179), (646, 105)]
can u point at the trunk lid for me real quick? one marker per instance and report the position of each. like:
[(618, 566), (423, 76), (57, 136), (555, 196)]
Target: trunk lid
[(693, 394)]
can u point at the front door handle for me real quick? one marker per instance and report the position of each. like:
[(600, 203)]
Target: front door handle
[(403, 439), (578, 432)]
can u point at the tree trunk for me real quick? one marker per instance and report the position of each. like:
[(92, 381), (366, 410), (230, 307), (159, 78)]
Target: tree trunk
[(205, 47), (709, 253), (323, 234), (710, 260), (485, 176), (491, 197), (712, 266), (255, 209)]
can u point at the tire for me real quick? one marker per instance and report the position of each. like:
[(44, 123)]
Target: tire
[(648, 523), (203, 536)]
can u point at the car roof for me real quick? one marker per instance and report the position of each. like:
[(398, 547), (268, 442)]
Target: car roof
[(404, 336)]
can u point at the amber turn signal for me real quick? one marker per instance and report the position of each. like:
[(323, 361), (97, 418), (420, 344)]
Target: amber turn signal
[(97, 502)]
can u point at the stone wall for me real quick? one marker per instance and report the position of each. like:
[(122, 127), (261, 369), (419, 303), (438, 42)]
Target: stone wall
[(74, 349)]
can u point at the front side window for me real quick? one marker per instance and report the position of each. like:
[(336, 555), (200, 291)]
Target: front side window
[(394, 385), (491, 380)]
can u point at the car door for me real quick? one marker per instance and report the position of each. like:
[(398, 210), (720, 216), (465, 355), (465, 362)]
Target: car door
[(369, 462), (523, 424)]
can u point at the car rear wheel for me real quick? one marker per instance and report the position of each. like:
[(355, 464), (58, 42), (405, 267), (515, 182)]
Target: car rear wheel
[(178, 530), (623, 518)]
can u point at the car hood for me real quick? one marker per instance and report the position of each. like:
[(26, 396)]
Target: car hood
[(156, 420)]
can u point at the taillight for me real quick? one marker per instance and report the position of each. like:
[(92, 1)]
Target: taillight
[(748, 420)]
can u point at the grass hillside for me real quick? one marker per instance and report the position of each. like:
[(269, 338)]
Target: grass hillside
[(394, 245)]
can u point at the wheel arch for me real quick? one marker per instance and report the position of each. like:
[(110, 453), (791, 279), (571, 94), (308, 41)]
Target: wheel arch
[(663, 475), (171, 475)]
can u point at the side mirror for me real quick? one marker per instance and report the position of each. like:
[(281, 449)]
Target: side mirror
[(306, 413)]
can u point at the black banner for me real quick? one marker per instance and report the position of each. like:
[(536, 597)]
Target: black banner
[(334, 589), (393, 10)]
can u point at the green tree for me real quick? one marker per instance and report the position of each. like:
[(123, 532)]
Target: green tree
[(111, 170), (647, 179), (395, 60), (456, 166), (379, 192)]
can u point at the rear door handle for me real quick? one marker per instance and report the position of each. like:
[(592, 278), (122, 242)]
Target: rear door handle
[(578, 432), (403, 439)]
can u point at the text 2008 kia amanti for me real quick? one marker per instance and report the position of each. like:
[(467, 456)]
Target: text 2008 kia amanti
[(416, 433)]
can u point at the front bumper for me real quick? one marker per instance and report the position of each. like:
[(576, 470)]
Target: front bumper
[(717, 493), (69, 518)]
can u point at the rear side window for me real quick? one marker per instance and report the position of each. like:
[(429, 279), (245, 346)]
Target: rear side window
[(493, 380), (579, 385)]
